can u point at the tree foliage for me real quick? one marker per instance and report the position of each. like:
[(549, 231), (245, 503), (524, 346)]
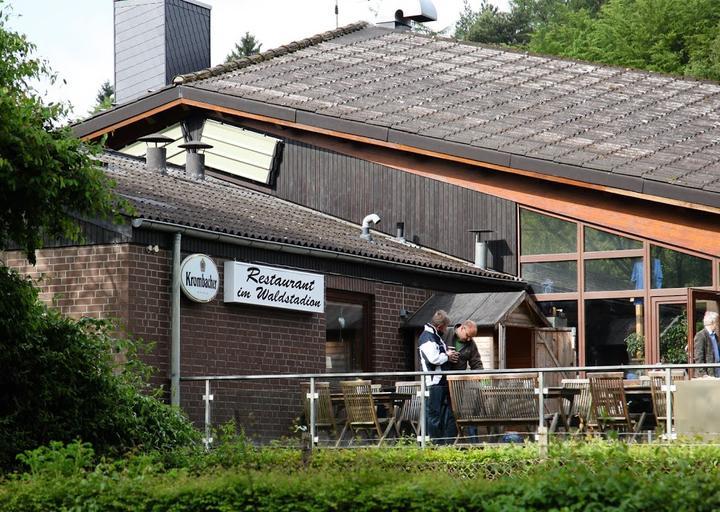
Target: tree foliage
[(105, 97), (60, 382), (247, 46), (673, 36), (48, 176)]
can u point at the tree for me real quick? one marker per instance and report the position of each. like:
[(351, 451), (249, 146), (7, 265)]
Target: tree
[(247, 46), (48, 176), (671, 36), (59, 380), (517, 26), (105, 97)]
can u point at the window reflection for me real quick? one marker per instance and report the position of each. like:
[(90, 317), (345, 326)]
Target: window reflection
[(673, 328), (344, 345), (551, 276), (673, 269), (613, 274), (596, 240), (542, 234)]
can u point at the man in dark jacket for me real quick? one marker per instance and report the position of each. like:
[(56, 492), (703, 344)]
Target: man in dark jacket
[(706, 345), (461, 338)]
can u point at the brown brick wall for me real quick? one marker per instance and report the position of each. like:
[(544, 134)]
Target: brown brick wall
[(89, 281), (128, 282)]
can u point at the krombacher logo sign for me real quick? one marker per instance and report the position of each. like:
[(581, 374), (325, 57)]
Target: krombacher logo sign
[(199, 278), (274, 287)]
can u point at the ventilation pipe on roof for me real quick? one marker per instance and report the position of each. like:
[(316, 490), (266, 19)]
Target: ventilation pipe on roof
[(400, 231), (368, 222), (156, 156), (481, 248), (399, 14), (195, 160)]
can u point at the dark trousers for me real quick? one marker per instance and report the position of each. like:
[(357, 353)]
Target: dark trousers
[(438, 413)]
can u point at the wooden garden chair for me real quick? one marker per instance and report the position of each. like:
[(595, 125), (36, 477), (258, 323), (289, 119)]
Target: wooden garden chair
[(409, 413), (609, 403), (659, 395), (324, 414), (361, 411), (580, 406)]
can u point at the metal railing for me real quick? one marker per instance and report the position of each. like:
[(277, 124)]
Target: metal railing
[(542, 435)]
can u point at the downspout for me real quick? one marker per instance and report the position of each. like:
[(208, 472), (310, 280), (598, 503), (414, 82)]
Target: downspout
[(175, 325)]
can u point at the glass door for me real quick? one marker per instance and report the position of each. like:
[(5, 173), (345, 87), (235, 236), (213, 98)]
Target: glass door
[(669, 333), (699, 302)]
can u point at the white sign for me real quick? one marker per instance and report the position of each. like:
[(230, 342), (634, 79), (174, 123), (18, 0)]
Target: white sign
[(199, 278), (274, 287)]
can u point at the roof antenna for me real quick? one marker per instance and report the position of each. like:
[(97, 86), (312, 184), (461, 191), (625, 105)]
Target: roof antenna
[(337, 11)]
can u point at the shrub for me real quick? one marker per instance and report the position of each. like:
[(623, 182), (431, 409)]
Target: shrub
[(59, 382)]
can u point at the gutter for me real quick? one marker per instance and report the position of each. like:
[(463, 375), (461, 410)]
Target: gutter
[(321, 253)]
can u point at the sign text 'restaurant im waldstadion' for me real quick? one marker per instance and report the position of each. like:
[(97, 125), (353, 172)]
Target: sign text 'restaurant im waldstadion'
[(246, 283)]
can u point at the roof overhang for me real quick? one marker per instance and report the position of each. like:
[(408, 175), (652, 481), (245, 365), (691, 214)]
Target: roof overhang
[(184, 96)]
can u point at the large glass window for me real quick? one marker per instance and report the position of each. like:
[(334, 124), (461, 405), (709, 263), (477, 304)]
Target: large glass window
[(345, 337), (542, 234), (610, 326), (673, 269), (613, 274), (561, 313), (551, 276), (596, 240)]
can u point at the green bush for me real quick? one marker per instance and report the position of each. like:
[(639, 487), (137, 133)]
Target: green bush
[(592, 476), (60, 382)]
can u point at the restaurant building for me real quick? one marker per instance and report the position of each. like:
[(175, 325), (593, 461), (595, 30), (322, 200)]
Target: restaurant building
[(264, 286), (598, 186)]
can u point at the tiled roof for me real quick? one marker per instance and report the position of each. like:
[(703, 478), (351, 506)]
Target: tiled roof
[(555, 116), (215, 205)]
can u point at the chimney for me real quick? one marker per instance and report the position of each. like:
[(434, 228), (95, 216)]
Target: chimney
[(399, 14), (156, 40), (156, 156), (367, 223), (195, 160), (481, 248)]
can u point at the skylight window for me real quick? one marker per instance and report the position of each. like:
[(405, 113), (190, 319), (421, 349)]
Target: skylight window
[(236, 151)]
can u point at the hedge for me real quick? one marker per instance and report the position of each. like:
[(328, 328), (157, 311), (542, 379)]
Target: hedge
[(593, 476)]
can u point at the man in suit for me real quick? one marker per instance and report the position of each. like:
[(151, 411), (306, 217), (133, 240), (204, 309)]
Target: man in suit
[(706, 345)]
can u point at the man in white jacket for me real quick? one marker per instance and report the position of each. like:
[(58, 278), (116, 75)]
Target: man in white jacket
[(433, 354)]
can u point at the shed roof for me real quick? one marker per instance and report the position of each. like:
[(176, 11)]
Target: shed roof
[(218, 206), (485, 309)]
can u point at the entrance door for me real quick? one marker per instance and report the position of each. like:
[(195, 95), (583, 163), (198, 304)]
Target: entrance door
[(700, 301), (669, 330)]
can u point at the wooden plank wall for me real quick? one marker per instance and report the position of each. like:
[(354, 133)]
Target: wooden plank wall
[(436, 214)]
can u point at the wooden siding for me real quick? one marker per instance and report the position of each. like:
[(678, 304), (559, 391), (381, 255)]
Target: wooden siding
[(436, 214)]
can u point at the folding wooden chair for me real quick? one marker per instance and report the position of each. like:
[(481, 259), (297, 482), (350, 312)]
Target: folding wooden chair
[(611, 408), (580, 406), (409, 413), (360, 410), (659, 395), (324, 415)]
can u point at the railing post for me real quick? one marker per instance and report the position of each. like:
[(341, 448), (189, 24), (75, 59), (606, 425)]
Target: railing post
[(423, 392), (542, 437), (207, 397), (312, 396), (668, 403)]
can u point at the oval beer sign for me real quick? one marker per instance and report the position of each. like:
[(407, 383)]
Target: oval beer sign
[(199, 278)]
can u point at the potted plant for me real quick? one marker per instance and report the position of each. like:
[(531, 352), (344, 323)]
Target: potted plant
[(635, 344)]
